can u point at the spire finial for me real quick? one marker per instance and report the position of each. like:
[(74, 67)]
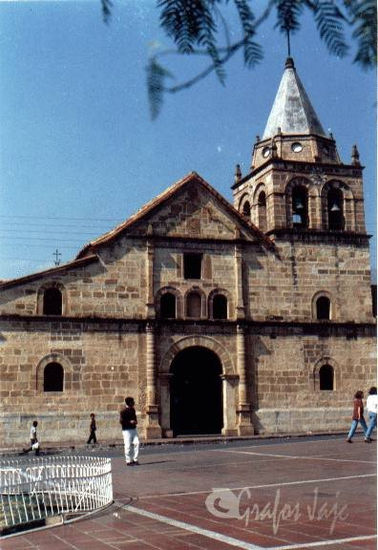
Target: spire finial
[(238, 173), (289, 63), (355, 156)]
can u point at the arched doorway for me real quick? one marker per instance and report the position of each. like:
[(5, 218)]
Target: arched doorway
[(196, 392)]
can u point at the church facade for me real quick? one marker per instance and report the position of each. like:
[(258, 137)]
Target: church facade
[(225, 319)]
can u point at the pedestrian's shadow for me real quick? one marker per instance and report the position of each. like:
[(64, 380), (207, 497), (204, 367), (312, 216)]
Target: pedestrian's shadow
[(156, 462)]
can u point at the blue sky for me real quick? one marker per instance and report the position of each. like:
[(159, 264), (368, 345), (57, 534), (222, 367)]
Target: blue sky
[(79, 151)]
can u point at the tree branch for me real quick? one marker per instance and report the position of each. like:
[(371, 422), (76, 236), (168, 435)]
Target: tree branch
[(230, 51)]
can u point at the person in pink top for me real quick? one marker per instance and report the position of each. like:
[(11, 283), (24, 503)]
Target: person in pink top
[(358, 417)]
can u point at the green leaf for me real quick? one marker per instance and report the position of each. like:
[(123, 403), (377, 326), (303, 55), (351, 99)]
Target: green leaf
[(288, 14), (246, 16), (365, 23), (253, 53), (106, 10), (156, 78), (328, 20), (188, 22)]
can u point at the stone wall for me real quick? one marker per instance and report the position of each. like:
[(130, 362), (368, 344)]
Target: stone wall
[(104, 362), (112, 342), (286, 284)]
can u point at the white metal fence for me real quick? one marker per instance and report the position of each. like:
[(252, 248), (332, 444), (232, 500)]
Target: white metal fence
[(38, 488)]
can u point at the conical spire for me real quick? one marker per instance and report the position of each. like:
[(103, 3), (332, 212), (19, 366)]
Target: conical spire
[(292, 110)]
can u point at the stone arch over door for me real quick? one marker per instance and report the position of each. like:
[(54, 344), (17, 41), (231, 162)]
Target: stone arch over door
[(226, 373), (196, 405)]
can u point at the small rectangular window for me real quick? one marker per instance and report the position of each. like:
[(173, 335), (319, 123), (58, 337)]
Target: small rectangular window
[(192, 266)]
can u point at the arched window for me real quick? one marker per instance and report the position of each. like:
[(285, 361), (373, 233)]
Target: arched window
[(247, 210), (299, 207), (52, 301), (193, 305), (335, 209), (220, 307), (53, 375), (323, 308), (326, 377), (261, 211), (168, 306)]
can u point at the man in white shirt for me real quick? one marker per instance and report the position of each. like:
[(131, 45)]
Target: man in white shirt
[(371, 405)]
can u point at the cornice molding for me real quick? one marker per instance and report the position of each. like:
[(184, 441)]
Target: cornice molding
[(318, 236), (306, 168), (271, 327)]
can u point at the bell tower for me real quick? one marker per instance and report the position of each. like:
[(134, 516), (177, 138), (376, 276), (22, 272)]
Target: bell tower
[(297, 182)]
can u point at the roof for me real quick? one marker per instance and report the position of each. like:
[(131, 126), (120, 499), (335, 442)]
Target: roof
[(292, 110), (151, 206), (51, 271)]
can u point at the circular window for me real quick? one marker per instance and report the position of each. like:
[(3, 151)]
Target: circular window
[(297, 147), (266, 152)]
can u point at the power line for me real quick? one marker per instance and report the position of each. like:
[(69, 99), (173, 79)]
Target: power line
[(49, 246), (61, 218), (41, 239), (39, 232), (11, 224)]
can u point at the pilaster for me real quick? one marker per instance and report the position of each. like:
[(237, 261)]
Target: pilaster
[(229, 388), (244, 408), (153, 429), (150, 306), (240, 309)]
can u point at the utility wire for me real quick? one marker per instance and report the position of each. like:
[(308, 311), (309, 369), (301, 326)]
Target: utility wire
[(44, 219)]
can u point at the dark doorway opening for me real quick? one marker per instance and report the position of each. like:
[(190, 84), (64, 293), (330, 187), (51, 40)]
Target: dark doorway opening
[(196, 393)]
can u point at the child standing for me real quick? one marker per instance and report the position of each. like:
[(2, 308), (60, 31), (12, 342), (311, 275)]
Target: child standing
[(92, 428), (34, 443)]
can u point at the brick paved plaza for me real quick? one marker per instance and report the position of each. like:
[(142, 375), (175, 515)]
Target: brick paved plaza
[(286, 494)]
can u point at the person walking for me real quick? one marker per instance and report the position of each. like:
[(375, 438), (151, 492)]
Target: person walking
[(34, 443), (358, 416), (92, 429), (371, 405), (128, 421)]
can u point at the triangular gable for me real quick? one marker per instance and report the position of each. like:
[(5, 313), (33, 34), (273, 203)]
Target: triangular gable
[(220, 211)]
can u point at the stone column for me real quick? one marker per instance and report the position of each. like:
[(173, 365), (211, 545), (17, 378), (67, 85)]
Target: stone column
[(153, 429), (313, 210), (349, 214), (244, 409)]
